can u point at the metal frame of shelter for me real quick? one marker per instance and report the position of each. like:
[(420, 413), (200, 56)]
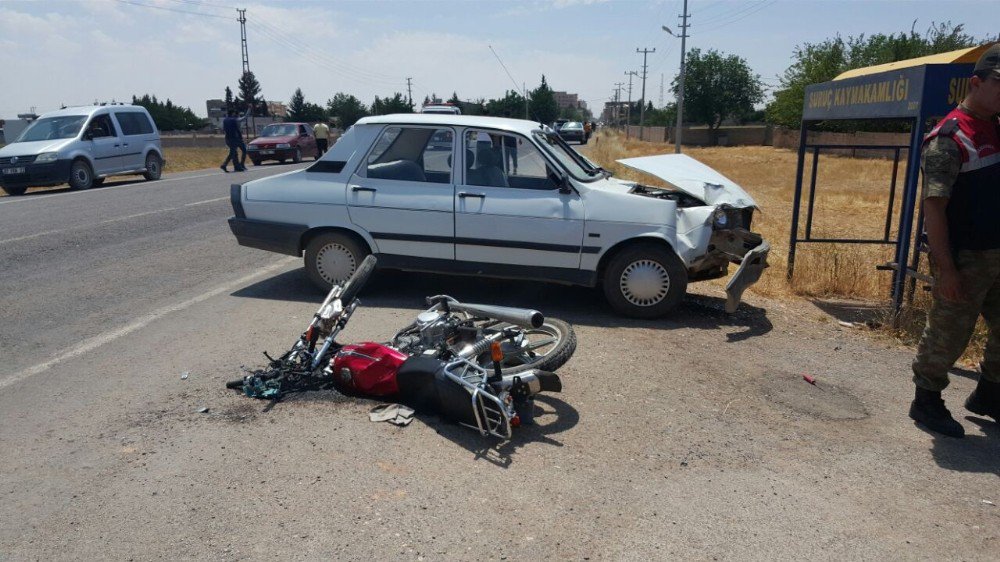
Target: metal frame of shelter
[(913, 90)]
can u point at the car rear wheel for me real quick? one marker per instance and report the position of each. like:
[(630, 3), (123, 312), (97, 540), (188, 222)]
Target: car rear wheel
[(645, 281), (331, 258), (80, 175), (154, 167)]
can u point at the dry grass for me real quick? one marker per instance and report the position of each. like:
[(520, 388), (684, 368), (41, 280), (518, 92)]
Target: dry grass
[(852, 196)]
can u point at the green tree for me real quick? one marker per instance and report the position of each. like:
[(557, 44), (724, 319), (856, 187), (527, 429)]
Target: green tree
[(249, 89), (454, 99), (814, 63), (346, 108), (542, 106), (229, 98), (511, 105), (718, 87), (296, 105), (169, 117)]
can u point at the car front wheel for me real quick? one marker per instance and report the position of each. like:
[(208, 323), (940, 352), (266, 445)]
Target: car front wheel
[(645, 281), (331, 258), (297, 157), (80, 175)]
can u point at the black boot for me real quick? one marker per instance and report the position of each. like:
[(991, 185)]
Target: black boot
[(985, 399), (928, 409)]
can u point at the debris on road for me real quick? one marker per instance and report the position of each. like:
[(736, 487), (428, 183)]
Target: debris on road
[(396, 414), (184, 375), (847, 324), (988, 502), (203, 411), (809, 379)]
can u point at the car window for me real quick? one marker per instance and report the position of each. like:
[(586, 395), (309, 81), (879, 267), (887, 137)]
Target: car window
[(51, 128), (411, 154), (133, 123), (101, 126), (279, 130), (505, 160), (302, 130)]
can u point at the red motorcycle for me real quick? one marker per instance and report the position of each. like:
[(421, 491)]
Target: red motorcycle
[(479, 365)]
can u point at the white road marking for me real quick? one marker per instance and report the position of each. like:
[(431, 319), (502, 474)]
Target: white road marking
[(206, 201), (107, 337), (126, 217)]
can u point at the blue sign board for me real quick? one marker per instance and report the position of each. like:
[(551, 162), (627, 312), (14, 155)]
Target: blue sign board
[(906, 93)]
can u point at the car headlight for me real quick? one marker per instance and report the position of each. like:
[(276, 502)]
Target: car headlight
[(47, 157), (284, 145), (720, 219)]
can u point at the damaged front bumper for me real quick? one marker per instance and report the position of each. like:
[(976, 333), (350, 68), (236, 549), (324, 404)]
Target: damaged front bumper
[(749, 272)]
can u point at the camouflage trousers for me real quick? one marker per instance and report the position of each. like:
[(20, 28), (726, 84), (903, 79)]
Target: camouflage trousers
[(950, 324)]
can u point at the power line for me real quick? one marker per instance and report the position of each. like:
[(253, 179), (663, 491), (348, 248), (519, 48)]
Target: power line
[(173, 9), (754, 9)]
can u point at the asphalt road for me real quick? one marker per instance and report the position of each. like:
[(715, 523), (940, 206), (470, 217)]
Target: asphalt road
[(692, 437)]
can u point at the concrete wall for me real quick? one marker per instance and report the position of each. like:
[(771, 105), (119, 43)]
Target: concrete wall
[(787, 138), (753, 135)]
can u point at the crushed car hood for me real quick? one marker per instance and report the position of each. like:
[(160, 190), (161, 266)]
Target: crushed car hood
[(692, 177)]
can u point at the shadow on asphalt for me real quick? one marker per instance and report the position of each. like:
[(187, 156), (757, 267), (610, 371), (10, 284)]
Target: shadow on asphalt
[(974, 453), (552, 416), (577, 305)]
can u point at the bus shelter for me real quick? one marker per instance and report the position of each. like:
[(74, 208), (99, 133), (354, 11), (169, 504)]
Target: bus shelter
[(912, 91)]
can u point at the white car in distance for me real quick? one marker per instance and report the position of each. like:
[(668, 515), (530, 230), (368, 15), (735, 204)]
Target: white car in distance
[(504, 198)]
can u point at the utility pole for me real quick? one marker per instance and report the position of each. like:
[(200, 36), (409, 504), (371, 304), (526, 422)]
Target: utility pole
[(409, 90), (618, 107), (524, 88), (661, 90), (642, 108), (246, 68), (628, 109), (680, 94)]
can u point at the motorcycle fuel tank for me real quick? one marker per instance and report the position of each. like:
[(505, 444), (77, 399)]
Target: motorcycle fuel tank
[(367, 368)]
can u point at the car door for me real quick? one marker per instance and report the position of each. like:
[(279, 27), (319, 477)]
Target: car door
[(132, 127), (307, 142), (403, 192), (105, 145), (508, 208)]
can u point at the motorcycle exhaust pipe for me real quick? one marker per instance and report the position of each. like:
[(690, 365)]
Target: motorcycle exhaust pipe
[(537, 381), (522, 317)]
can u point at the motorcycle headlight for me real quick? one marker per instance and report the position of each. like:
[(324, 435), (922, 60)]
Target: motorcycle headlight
[(284, 145), (47, 157), (720, 219)]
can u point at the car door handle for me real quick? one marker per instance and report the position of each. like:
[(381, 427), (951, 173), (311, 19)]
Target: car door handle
[(357, 188), (463, 195), (117, 145)]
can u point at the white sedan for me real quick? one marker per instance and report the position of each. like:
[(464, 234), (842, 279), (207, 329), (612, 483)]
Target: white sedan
[(504, 198)]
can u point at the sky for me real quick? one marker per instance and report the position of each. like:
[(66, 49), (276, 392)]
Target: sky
[(73, 52)]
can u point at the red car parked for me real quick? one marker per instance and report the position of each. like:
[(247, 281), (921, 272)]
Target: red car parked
[(283, 141)]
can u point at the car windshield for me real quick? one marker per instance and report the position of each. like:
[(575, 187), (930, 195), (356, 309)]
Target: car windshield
[(282, 130), (578, 166), (52, 128), (573, 125)]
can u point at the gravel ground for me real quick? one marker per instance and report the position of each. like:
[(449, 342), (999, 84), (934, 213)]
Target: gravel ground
[(693, 437)]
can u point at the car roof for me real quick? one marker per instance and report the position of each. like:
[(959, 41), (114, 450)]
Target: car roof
[(514, 125), (89, 110)]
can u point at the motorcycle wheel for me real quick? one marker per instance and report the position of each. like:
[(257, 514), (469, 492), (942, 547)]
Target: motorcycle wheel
[(358, 280), (549, 347)]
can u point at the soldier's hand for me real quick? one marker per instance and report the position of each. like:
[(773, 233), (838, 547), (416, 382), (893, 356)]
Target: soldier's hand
[(948, 286)]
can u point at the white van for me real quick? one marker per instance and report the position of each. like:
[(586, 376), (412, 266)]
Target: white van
[(82, 146)]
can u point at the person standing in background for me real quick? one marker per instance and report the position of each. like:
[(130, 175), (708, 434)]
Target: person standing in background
[(322, 133)]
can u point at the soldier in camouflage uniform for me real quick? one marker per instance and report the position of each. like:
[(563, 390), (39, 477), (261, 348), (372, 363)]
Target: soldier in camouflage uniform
[(961, 169)]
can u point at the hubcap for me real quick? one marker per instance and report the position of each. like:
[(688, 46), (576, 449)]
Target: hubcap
[(335, 263), (644, 283), (82, 175), (153, 166)]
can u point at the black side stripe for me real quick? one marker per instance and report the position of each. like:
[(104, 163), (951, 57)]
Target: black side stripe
[(118, 156), (564, 248)]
